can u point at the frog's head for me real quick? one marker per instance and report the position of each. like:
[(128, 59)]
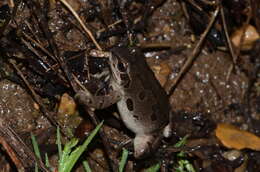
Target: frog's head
[(120, 65)]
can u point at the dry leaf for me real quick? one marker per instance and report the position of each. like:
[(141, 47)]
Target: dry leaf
[(250, 36), (232, 137), (67, 105), (161, 71)]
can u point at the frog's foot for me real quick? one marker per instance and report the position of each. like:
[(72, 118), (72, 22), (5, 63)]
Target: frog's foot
[(144, 145), (167, 131)]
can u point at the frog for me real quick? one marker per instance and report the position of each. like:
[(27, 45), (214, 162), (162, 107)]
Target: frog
[(142, 102)]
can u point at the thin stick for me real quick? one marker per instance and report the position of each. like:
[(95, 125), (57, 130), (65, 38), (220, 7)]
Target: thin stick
[(38, 44), (111, 25), (209, 2), (230, 46), (37, 99), (104, 139), (81, 23), (195, 5), (195, 52), (19, 152)]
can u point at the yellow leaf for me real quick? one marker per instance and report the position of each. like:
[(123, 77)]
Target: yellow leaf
[(232, 137), (67, 105)]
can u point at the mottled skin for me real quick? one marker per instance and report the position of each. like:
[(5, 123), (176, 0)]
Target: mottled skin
[(142, 102)]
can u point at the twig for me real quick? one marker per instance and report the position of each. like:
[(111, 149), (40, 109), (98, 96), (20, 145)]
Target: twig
[(18, 151), (195, 5), (242, 38), (104, 138), (213, 3), (230, 46), (193, 56), (37, 99), (30, 29), (9, 18), (37, 43), (185, 11), (49, 67), (111, 25), (238, 49), (81, 23)]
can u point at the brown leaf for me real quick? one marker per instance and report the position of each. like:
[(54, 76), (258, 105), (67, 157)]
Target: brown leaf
[(250, 36), (161, 71), (232, 137), (67, 105)]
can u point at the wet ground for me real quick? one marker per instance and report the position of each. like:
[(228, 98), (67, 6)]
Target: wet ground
[(212, 91)]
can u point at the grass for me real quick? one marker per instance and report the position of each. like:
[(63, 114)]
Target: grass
[(183, 164), (70, 154), (69, 157), (86, 166), (154, 168), (123, 161)]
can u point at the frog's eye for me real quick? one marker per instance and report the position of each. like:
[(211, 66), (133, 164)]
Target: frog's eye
[(122, 67)]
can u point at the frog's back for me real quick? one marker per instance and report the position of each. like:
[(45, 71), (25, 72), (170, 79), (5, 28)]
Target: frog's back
[(144, 99)]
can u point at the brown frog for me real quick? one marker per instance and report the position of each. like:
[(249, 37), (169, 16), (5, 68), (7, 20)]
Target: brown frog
[(142, 102)]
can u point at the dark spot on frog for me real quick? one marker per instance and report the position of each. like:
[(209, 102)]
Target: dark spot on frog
[(124, 77), (130, 104), (142, 95), (153, 117)]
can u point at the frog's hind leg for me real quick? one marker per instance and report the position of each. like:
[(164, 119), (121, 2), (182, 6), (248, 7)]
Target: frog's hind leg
[(145, 144)]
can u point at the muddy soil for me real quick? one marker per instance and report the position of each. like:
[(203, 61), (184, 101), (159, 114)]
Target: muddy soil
[(212, 91)]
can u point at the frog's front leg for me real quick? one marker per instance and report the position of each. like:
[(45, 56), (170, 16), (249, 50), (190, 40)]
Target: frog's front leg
[(97, 102)]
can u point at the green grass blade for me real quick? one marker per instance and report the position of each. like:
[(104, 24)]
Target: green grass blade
[(36, 169), (123, 161), (182, 142), (35, 147), (153, 168), (47, 163), (190, 167), (74, 156), (66, 154), (184, 166), (86, 166), (58, 142)]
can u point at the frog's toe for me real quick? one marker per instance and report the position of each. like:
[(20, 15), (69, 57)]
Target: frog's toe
[(83, 97), (167, 131), (143, 145)]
